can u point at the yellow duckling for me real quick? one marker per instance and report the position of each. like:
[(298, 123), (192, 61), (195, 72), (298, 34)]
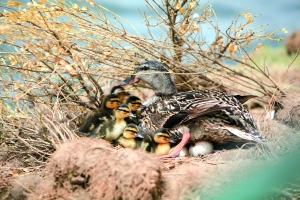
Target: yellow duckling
[(120, 91), (129, 137), (158, 143), (103, 114), (162, 144), (135, 105), (113, 129)]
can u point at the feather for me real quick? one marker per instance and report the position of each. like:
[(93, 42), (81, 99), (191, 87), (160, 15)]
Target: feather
[(242, 134)]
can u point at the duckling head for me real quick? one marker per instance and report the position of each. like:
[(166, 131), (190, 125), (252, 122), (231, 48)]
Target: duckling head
[(122, 111), (156, 75), (131, 131), (134, 103), (119, 90), (162, 136), (111, 101)]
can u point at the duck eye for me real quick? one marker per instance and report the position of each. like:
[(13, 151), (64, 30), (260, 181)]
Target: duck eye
[(145, 67)]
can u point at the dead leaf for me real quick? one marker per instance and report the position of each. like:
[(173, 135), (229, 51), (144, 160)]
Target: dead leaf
[(76, 7), (182, 10), (178, 6), (13, 60), (91, 45), (183, 28), (41, 2), (14, 173), (248, 38), (14, 3), (72, 71), (77, 87), (61, 50), (25, 65), (219, 37), (13, 15), (259, 46), (63, 62), (231, 48), (195, 27), (214, 43), (56, 59), (192, 5), (248, 16)]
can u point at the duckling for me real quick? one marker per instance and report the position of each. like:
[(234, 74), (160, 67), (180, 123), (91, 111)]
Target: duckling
[(211, 114), (158, 142), (105, 113), (113, 129), (119, 90), (134, 104), (129, 137), (162, 144)]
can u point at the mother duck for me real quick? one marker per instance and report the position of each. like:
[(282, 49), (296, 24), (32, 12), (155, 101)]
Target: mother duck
[(209, 114)]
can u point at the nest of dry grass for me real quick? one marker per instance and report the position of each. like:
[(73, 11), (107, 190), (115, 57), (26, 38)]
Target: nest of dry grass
[(92, 169)]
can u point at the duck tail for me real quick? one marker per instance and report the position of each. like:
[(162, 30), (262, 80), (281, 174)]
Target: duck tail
[(257, 137)]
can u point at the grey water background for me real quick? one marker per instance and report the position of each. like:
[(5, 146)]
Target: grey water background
[(276, 14)]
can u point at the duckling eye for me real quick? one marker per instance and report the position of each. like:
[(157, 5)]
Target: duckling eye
[(163, 136)]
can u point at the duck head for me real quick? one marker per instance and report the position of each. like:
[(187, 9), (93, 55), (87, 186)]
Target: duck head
[(156, 75)]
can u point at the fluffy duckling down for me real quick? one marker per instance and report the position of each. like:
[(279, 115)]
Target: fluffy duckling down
[(113, 129), (102, 115), (157, 142), (129, 137)]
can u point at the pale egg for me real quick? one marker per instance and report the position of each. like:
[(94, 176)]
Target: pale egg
[(201, 148)]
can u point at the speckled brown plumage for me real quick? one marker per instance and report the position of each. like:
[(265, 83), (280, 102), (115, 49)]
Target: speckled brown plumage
[(209, 114)]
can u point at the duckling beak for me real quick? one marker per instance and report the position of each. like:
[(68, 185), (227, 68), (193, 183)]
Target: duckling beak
[(138, 135), (130, 80), (142, 108)]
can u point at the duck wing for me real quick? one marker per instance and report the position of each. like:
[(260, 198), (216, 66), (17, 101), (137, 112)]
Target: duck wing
[(180, 108)]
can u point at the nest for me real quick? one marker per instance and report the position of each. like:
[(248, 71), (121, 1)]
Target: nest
[(91, 168)]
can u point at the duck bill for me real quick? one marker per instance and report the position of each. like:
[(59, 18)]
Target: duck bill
[(138, 135), (130, 80), (172, 141)]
